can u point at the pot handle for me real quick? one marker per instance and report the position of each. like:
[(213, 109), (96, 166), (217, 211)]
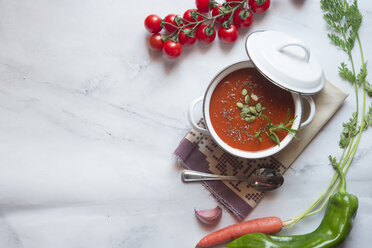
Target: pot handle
[(190, 116), (299, 44), (310, 100)]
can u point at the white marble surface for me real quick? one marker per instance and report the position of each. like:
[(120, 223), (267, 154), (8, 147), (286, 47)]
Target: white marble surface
[(89, 119)]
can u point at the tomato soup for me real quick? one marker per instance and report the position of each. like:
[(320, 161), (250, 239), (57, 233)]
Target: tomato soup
[(226, 118)]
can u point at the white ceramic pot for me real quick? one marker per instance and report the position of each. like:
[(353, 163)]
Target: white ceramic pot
[(302, 76), (297, 99)]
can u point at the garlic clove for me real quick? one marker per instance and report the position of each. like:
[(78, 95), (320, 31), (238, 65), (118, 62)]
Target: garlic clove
[(209, 216)]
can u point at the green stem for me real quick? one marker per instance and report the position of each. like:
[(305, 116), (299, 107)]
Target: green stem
[(354, 149), (214, 20), (205, 17), (355, 83), (170, 35), (343, 153), (344, 161), (360, 48)]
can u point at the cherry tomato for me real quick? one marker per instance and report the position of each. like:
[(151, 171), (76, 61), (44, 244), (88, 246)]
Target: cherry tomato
[(170, 19), (186, 40), (153, 24), (187, 16), (205, 34), (172, 49), (156, 43), (259, 6), (216, 11), (228, 35), (243, 18), (202, 5)]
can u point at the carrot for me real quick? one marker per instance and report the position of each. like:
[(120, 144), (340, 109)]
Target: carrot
[(268, 225)]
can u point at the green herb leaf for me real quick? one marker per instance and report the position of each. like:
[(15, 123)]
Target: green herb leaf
[(338, 41), (276, 138), (361, 78), (345, 73), (368, 88), (267, 118), (344, 20), (287, 119), (258, 133), (333, 161), (349, 131), (273, 128), (368, 118)]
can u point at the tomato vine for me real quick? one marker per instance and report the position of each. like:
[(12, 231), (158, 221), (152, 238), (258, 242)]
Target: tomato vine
[(201, 23)]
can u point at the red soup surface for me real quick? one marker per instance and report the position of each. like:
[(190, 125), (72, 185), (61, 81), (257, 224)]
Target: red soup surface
[(225, 115)]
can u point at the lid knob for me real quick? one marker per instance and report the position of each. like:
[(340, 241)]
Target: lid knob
[(299, 44)]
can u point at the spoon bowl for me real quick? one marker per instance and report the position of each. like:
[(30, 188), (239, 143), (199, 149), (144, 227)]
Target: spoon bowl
[(262, 179)]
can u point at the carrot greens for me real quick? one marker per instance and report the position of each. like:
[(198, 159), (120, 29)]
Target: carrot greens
[(344, 21)]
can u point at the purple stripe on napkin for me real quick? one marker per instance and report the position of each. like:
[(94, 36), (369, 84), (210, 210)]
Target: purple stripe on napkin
[(189, 155)]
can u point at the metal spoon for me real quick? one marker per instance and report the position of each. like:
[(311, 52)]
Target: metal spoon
[(262, 179)]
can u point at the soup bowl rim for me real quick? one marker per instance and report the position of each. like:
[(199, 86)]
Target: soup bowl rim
[(297, 100)]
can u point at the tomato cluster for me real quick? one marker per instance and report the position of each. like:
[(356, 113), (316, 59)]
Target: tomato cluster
[(199, 24)]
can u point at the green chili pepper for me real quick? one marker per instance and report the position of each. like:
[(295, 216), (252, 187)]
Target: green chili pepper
[(332, 231)]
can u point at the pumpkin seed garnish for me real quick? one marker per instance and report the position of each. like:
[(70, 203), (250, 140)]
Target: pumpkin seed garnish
[(239, 104), (253, 110), (259, 107), (246, 109), (250, 119), (249, 113), (246, 99), (254, 97)]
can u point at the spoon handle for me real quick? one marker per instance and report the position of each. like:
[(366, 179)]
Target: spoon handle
[(194, 176)]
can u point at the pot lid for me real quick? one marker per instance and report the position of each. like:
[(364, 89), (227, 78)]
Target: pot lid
[(286, 61)]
